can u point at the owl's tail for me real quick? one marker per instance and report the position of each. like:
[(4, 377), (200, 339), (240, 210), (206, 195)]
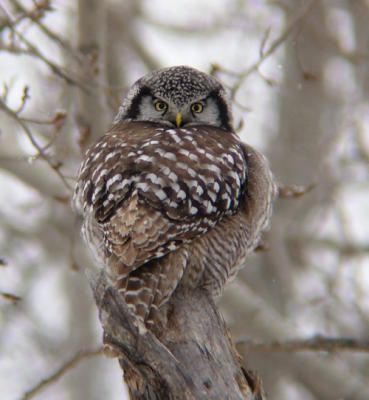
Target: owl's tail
[(148, 288)]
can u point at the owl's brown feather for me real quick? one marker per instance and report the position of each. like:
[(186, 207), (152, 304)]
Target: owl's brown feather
[(165, 207)]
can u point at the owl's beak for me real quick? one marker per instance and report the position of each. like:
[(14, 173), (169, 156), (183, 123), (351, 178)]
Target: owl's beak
[(179, 120)]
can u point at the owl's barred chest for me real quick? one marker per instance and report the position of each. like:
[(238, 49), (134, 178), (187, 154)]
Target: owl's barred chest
[(185, 172)]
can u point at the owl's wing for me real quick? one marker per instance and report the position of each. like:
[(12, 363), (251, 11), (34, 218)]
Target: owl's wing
[(261, 189), (152, 189)]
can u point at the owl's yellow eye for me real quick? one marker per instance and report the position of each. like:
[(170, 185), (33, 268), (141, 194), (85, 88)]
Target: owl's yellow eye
[(161, 106), (197, 107)]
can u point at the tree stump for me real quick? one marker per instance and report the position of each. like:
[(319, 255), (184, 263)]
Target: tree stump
[(192, 358)]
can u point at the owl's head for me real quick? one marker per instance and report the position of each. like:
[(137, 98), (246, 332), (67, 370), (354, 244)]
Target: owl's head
[(178, 96)]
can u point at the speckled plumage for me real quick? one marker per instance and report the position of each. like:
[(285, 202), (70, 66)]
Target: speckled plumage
[(165, 206)]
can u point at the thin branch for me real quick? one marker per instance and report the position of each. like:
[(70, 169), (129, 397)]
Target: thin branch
[(294, 191), (345, 248), (59, 115), (57, 122), (215, 68), (31, 50), (316, 343), (299, 17), (10, 297), (79, 356), (264, 42), (40, 151), (54, 67), (361, 144), (10, 23), (24, 98), (33, 15)]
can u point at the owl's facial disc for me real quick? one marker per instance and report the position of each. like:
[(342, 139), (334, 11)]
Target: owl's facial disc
[(178, 96), (203, 111)]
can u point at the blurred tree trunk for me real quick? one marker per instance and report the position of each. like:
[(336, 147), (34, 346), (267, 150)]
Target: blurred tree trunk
[(309, 118), (93, 116), (359, 11), (93, 113), (125, 50)]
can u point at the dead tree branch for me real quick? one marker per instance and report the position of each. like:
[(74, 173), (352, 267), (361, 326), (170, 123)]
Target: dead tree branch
[(193, 358), (17, 43), (241, 77), (265, 54), (10, 297), (316, 343), (35, 15), (294, 191), (40, 151), (55, 68), (81, 355)]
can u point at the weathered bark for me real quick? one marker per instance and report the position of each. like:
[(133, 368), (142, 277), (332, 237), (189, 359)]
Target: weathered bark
[(193, 358)]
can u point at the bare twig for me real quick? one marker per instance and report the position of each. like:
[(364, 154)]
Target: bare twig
[(316, 343), (24, 98), (59, 115), (58, 70), (80, 356), (40, 152), (33, 15), (294, 191), (215, 68), (361, 144), (19, 44), (265, 54), (57, 121), (264, 41), (11, 297), (83, 138), (345, 248)]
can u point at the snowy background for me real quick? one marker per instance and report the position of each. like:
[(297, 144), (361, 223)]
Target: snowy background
[(306, 106)]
